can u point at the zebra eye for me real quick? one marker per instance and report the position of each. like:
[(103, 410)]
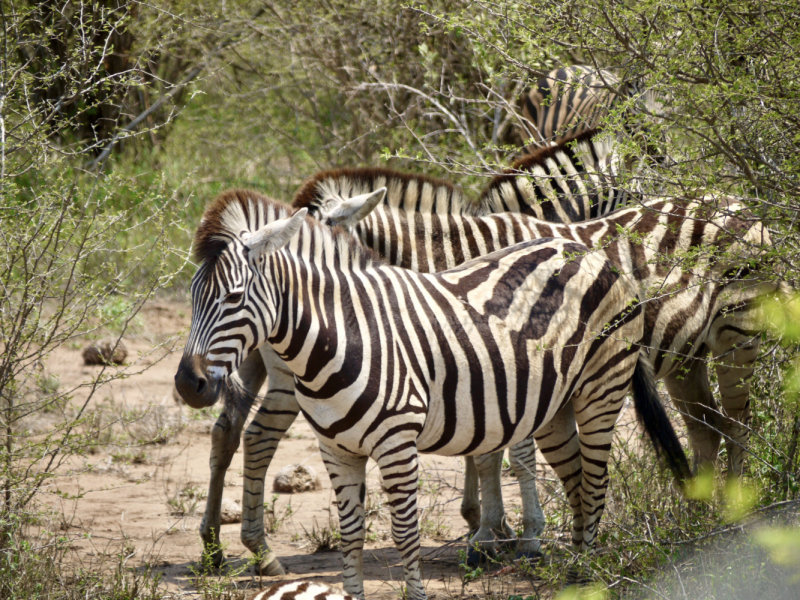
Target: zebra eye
[(234, 297)]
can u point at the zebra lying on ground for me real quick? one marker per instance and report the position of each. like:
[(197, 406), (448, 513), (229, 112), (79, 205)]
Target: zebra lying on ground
[(572, 182), (536, 339), (692, 308), (301, 590), (575, 99)]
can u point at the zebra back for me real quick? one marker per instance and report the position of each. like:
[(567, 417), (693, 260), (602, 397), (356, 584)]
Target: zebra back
[(574, 181), (406, 191)]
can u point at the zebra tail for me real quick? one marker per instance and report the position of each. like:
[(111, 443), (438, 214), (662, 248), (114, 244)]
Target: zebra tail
[(656, 423)]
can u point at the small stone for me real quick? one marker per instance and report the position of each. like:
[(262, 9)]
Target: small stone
[(230, 512), (105, 352), (293, 479)]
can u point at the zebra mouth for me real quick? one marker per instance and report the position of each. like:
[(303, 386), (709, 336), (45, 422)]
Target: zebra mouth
[(217, 373)]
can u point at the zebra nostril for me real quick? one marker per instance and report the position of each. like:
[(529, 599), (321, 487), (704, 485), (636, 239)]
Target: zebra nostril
[(202, 384)]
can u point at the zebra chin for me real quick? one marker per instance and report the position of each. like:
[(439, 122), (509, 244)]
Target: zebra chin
[(197, 387)]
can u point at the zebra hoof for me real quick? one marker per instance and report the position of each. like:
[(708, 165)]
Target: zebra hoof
[(270, 566), (212, 560), (476, 558)]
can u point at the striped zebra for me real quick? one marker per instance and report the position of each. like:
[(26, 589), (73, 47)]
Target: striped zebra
[(539, 338), (572, 100), (571, 182), (301, 590), (692, 309)]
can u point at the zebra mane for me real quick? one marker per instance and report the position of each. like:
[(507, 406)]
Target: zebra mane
[(409, 191), (235, 211), (231, 213)]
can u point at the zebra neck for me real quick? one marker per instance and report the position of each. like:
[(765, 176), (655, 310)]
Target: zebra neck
[(311, 304)]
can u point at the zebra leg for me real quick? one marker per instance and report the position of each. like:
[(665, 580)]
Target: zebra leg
[(523, 461), (224, 443), (278, 411), (734, 374), (559, 444), (493, 525), (692, 396), (470, 501), (400, 474), (348, 475)]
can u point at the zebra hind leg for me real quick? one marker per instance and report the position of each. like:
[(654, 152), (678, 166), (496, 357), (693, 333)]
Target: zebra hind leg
[(493, 525), (558, 443), (692, 396), (523, 461), (734, 375), (399, 470), (348, 475)]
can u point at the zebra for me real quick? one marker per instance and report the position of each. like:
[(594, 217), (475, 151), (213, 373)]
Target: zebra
[(574, 181), (572, 100), (540, 337), (301, 590), (425, 225)]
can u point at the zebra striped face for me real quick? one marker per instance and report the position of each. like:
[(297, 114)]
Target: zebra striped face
[(223, 331), (232, 309)]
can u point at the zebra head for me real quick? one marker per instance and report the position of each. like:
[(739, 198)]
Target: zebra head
[(232, 311)]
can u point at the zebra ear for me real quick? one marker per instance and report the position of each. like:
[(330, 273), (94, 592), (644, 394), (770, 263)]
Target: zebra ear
[(351, 211), (275, 235)]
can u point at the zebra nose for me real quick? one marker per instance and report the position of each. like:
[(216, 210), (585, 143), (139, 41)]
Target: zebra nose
[(193, 385)]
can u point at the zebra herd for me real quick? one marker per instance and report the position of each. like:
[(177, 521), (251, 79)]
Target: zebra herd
[(402, 317)]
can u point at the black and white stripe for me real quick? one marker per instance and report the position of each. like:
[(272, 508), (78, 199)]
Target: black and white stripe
[(693, 308), (572, 100), (532, 339)]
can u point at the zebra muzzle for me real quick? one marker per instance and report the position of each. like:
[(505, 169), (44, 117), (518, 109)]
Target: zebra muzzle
[(194, 384)]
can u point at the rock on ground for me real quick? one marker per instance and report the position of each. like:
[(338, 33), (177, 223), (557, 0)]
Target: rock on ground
[(105, 352), (230, 512), (293, 479)]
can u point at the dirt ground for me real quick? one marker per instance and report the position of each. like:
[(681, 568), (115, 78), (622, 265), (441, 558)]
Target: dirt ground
[(148, 499)]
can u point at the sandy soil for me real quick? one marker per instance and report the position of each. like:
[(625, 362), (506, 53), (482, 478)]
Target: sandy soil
[(129, 495)]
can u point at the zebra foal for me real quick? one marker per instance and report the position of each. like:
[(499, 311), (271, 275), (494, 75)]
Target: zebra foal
[(539, 338)]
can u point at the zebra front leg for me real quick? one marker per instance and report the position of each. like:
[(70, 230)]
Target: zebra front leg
[(348, 475), (523, 461), (276, 414), (692, 396), (400, 474), (224, 443), (493, 525), (470, 501)]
